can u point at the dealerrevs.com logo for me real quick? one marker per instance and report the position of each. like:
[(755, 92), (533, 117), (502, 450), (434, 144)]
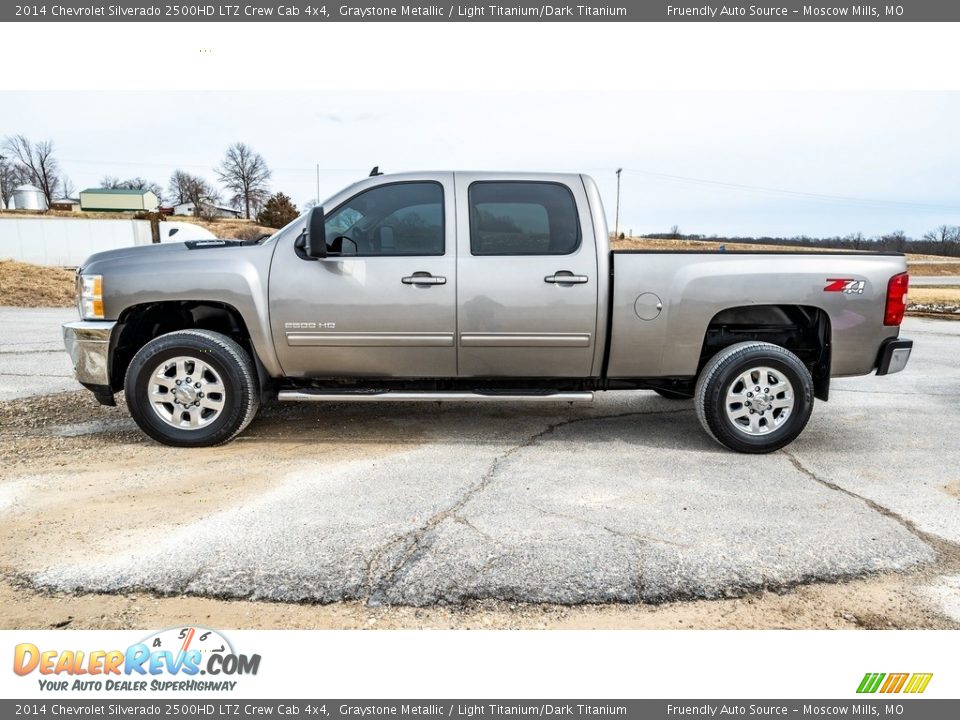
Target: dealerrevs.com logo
[(180, 659)]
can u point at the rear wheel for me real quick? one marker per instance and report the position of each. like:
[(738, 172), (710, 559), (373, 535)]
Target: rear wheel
[(192, 388), (754, 397)]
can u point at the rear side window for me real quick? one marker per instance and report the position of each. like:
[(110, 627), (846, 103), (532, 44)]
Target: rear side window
[(522, 218)]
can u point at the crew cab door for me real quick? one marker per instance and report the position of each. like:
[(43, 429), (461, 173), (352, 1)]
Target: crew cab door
[(383, 303), (527, 277)]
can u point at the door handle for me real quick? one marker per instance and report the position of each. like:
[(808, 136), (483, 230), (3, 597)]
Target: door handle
[(423, 279), (565, 277)]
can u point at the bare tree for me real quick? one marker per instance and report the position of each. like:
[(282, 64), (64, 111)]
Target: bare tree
[(36, 162), (177, 186), (896, 240), (675, 232), (11, 177), (943, 234), (187, 188), (67, 188), (245, 174)]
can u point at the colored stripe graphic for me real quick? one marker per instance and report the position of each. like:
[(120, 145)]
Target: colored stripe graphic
[(870, 682), (894, 683), (918, 683)]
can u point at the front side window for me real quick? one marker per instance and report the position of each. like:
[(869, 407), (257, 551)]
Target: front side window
[(522, 218), (397, 219)]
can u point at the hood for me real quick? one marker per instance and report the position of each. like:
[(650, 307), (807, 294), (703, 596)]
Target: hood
[(158, 251)]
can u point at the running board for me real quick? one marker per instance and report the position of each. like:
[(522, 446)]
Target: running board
[(396, 396)]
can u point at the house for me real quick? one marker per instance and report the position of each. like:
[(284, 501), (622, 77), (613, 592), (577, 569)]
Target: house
[(208, 208), (66, 204), (116, 200)]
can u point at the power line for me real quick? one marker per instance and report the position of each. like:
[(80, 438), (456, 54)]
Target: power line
[(794, 193)]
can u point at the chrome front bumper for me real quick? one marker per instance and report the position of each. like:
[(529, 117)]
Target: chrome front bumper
[(88, 344)]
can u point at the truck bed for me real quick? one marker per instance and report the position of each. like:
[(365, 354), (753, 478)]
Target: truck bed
[(662, 302)]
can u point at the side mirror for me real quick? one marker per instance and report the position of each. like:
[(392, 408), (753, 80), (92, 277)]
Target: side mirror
[(316, 234)]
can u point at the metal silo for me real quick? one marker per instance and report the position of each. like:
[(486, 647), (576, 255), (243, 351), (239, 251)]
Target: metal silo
[(28, 197)]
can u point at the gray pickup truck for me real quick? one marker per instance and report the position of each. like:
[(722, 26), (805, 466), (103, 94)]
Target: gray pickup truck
[(476, 287)]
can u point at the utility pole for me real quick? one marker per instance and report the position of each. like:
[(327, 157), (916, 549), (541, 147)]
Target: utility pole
[(616, 226), (318, 183)]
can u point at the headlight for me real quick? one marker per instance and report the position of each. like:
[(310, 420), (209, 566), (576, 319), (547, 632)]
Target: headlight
[(90, 296)]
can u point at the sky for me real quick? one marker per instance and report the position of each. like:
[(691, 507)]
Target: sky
[(726, 163)]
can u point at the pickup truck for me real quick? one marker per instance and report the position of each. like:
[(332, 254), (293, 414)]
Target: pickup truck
[(468, 286)]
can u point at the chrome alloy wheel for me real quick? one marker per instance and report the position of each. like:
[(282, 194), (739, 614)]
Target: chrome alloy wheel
[(186, 393), (759, 401)]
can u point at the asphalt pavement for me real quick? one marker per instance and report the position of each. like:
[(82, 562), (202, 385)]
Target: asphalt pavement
[(623, 500), (934, 280), (32, 358)]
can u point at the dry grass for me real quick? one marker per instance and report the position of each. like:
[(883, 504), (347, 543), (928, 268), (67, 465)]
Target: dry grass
[(644, 243), (26, 285), (919, 264), (935, 295), (940, 269)]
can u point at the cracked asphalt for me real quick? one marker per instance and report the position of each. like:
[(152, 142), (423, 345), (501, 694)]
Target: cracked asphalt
[(626, 500)]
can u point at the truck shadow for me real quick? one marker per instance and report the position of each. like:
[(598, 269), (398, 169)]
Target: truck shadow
[(631, 419)]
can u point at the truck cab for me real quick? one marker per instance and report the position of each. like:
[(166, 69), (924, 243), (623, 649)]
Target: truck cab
[(444, 275)]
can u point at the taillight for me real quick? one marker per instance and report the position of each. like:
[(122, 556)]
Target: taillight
[(896, 299)]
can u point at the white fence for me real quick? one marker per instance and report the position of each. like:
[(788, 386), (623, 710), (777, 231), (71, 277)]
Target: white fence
[(67, 242)]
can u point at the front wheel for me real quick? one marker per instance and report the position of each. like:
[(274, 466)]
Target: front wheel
[(754, 397), (192, 388)]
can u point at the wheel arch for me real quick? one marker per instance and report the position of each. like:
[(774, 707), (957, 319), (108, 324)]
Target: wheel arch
[(805, 330), (138, 324)]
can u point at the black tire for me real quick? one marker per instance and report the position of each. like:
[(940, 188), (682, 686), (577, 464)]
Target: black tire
[(672, 394), (240, 394), (720, 374)]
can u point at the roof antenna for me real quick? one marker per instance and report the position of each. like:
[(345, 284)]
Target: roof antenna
[(375, 171)]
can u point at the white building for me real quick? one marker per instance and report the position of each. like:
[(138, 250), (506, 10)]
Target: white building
[(118, 200), (208, 208)]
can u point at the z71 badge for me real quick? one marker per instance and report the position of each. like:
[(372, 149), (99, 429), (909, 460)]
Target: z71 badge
[(847, 286)]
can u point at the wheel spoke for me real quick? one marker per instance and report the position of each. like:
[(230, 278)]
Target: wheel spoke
[(738, 413), (200, 370)]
